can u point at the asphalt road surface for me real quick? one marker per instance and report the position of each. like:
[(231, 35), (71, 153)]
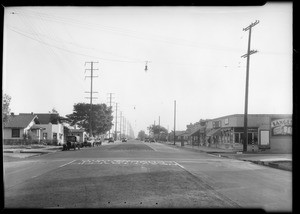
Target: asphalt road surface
[(135, 174)]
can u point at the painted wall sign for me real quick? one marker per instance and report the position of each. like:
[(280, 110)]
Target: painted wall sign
[(281, 127), (226, 121), (217, 124)]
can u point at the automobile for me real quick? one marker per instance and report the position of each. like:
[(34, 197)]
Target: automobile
[(89, 142), (152, 140), (72, 142), (124, 139), (111, 140), (146, 140), (98, 142)]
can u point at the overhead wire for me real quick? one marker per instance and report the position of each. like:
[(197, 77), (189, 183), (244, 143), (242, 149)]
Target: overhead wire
[(136, 34), (89, 55)]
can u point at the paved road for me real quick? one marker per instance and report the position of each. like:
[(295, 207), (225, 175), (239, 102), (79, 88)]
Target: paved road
[(137, 174)]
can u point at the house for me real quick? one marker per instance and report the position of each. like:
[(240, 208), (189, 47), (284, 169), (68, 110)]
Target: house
[(52, 124), (21, 127)]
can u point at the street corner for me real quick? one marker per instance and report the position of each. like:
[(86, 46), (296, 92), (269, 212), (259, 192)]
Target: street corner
[(283, 165), (17, 156)]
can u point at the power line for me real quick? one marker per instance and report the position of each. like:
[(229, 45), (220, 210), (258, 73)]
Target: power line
[(129, 33)]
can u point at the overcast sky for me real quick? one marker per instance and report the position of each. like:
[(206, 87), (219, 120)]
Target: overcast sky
[(194, 56)]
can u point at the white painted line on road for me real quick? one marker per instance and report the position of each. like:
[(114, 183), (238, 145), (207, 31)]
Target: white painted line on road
[(125, 162), (150, 146), (179, 165), (66, 164)]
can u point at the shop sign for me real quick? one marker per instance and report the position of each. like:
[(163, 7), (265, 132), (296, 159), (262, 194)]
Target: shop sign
[(281, 127), (241, 129), (216, 124), (226, 121)]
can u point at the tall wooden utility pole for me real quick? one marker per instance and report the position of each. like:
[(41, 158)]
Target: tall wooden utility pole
[(120, 125), (174, 119), (247, 55), (110, 98), (116, 122), (91, 94)]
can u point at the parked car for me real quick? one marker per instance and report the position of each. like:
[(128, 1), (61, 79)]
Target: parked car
[(89, 142), (72, 142), (98, 142), (152, 140), (124, 139), (111, 140), (146, 140)]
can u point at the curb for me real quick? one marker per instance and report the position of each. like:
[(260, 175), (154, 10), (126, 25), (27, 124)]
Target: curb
[(228, 155)]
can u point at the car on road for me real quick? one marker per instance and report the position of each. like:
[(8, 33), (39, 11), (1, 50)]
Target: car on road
[(111, 140), (72, 142), (124, 139), (146, 140), (89, 142), (98, 142), (152, 140)]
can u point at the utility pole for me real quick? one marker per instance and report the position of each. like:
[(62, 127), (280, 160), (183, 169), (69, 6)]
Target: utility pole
[(110, 97), (247, 55), (120, 125), (91, 94), (174, 119), (124, 127), (116, 122), (159, 128)]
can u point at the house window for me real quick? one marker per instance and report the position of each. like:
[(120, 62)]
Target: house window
[(15, 133), (60, 136), (45, 136), (54, 136)]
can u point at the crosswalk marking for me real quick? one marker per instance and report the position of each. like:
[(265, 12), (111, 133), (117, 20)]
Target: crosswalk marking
[(125, 162)]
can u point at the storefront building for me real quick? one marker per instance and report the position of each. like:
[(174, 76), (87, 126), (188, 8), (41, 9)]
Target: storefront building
[(271, 132)]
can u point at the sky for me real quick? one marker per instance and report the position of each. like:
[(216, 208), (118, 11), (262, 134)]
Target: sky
[(193, 56)]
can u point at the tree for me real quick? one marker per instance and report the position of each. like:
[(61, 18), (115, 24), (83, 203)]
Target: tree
[(101, 117), (53, 111), (142, 135), (158, 131), (5, 108)]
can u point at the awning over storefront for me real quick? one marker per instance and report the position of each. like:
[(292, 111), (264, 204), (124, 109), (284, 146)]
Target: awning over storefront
[(195, 131), (213, 132)]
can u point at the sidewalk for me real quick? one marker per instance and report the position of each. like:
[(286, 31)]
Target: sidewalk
[(279, 161), (15, 152)]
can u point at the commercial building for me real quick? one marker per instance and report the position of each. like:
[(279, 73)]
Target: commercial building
[(271, 132)]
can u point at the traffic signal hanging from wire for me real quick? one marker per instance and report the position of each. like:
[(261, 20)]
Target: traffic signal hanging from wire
[(146, 66)]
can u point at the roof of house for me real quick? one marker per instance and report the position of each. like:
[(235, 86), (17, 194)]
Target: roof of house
[(19, 121), (46, 118), (37, 127), (76, 130)]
